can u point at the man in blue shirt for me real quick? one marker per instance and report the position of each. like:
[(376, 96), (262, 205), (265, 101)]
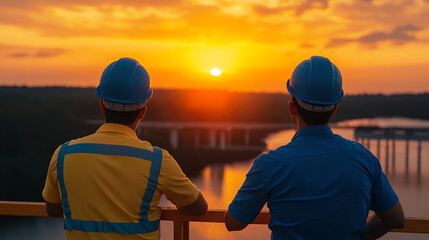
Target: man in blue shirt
[(320, 185)]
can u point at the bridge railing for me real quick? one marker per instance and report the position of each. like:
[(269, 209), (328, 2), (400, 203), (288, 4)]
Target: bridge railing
[(181, 221)]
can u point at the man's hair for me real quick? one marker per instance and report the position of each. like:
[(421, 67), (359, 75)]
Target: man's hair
[(312, 118), (125, 118)]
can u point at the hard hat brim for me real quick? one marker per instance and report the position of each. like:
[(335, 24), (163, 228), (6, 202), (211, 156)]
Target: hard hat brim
[(306, 99), (143, 99)]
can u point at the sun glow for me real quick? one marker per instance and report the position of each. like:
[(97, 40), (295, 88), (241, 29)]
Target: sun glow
[(216, 72)]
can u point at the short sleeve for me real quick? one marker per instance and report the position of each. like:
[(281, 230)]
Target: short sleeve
[(174, 183), (253, 194), (383, 197), (51, 190)]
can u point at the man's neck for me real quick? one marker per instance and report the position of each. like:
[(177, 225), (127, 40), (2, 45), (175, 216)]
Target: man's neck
[(300, 124), (133, 125)]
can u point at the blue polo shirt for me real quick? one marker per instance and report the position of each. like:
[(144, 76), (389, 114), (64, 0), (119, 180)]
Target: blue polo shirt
[(319, 186)]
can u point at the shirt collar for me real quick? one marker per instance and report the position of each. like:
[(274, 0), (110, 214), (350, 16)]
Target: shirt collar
[(117, 128), (313, 130)]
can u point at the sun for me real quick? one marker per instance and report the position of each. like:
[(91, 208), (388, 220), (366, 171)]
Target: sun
[(215, 72)]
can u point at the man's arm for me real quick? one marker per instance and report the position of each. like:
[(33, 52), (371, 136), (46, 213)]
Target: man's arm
[(197, 208), (251, 197), (54, 209), (179, 189), (379, 223), (51, 192), (232, 224)]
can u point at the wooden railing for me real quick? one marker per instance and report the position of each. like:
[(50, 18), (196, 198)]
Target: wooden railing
[(181, 222)]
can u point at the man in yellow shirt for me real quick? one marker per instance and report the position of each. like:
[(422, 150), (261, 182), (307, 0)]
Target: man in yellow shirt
[(108, 185)]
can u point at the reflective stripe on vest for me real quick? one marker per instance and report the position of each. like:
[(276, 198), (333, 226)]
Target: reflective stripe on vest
[(144, 225)]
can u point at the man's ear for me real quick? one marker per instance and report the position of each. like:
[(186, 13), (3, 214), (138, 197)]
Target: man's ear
[(102, 108), (334, 110), (142, 112), (292, 108)]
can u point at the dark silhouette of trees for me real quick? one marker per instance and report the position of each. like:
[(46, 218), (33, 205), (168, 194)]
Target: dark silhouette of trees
[(34, 121)]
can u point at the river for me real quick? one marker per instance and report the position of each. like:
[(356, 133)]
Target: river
[(220, 183)]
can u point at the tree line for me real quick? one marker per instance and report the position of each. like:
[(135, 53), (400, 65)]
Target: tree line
[(34, 121)]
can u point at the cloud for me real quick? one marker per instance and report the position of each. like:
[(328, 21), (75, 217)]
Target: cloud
[(46, 53), (364, 13), (306, 45), (265, 11), (19, 55), (209, 21), (190, 23), (30, 52), (67, 3), (311, 4), (101, 21), (299, 8), (399, 35)]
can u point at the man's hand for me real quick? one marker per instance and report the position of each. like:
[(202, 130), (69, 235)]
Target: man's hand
[(197, 208), (54, 209), (382, 222), (232, 224)]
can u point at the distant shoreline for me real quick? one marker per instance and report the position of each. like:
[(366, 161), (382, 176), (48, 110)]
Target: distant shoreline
[(220, 89)]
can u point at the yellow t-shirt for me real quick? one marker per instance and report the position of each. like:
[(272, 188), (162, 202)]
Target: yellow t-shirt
[(110, 188)]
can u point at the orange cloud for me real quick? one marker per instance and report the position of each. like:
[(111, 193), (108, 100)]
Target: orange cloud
[(211, 21), (399, 35), (21, 52), (256, 43)]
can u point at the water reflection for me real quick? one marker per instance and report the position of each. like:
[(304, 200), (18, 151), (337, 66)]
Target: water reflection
[(220, 183), (34, 228)]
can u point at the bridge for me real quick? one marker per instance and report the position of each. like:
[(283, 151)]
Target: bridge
[(366, 134), (219, 135)]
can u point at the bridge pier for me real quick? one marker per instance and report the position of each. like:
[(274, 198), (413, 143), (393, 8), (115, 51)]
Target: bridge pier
[(197, 139), (225, 129), (378, 148), (419, 157), (174, 138), (407, 155), (222, 140), (212, 138), (387, 156), (393, 154), (393, 134), (228, 134)]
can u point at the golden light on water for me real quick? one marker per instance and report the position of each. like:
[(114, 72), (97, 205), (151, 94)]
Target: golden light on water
[(215, 72)]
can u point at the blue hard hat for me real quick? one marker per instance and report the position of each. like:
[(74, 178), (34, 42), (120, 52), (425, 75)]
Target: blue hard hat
[(316, 80), (125, 81)]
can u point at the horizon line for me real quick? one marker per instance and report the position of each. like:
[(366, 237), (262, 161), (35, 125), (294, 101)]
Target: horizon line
[(214, 89)]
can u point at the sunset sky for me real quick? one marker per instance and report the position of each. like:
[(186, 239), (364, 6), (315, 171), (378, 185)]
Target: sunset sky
[(380, 46)]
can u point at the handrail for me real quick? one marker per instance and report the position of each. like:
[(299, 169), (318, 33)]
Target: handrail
[(181, 221)]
